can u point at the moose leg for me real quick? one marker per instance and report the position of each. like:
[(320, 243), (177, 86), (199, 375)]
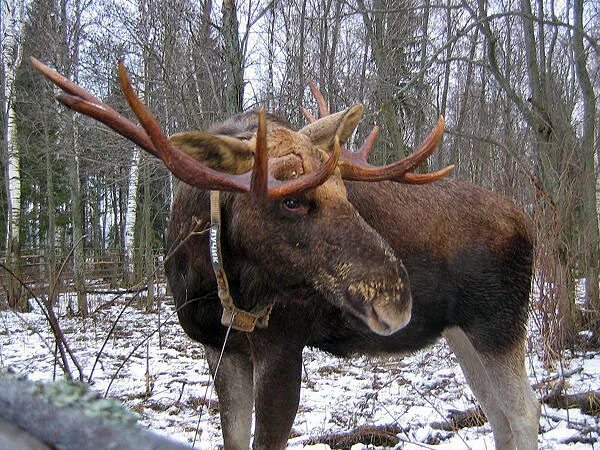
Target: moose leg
[(514, 395), (277, 377), (233, 384), (500, 384)]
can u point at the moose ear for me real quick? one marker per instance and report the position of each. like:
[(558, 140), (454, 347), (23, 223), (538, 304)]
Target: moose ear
[(323, 131), (218, 152)]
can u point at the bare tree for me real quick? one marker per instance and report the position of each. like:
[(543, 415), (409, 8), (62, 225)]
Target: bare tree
[(12, 52), (232, 58)]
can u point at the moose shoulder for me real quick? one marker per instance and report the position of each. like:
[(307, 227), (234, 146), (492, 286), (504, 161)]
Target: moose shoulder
[(351, 258)]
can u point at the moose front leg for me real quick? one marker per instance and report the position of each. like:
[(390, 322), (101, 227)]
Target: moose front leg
[(277, 375), (233, 384)]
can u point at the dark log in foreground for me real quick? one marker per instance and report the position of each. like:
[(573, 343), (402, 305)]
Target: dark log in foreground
[(380, 436), (70, 416), (15, 438)]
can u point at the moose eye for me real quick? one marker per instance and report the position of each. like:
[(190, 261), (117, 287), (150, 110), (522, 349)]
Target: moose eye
[(294, 205), (291, 203)]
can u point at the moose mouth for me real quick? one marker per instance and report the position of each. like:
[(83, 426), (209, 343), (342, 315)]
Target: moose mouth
[(384, 311)]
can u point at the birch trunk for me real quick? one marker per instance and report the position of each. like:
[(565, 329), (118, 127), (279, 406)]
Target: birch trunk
[(11, 58), (130, 215)]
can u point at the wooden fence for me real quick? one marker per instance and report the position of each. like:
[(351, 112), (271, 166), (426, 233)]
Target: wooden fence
[(103, 270)]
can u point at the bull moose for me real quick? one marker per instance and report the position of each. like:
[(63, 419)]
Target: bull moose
[(319, 248)]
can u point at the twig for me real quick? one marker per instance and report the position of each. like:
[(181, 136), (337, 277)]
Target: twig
[(131, 353), (109, 334), (119, 292), (112, 301), (148, 336), (59, 336), (193, 232), (37, 332)]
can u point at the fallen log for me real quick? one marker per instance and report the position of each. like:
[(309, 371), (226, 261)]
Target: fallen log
[(379, 436), (70, 416), (472, 417), (587, 402)]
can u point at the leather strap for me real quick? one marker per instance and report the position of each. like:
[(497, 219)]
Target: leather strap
[(232, 315)]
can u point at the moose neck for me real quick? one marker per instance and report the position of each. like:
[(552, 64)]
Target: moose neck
[(233, 316)]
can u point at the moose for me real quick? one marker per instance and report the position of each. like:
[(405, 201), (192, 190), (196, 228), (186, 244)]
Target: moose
[(319, 248)]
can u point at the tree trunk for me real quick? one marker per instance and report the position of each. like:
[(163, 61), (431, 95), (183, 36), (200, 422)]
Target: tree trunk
[(51, 232), (270, 101), (300, 58), (77, 222), (234, 69), (12, 52), (334, 69), (70, 58), (391, 141), (147, 235), (130, 215), (421, 89), (589, 216)]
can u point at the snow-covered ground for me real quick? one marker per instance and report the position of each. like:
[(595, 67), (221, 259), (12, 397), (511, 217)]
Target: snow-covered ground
[(164, 378)]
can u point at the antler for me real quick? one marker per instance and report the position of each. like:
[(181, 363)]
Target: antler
[(355, 166), (183, 166)]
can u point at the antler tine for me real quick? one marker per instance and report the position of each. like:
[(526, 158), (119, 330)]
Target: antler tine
[(308, 115), (323, 107), (64, 83), (260, 173), (365, 149), (424, 178), (110, 118), (352, 170), (181, 164), (80, 100), (355, 166)]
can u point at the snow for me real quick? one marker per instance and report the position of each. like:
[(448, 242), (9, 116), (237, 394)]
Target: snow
[(164, 378)]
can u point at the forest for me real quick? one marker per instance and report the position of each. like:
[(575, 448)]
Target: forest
[(517, 82)]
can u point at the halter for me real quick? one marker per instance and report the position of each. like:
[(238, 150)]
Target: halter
[(233, 316)]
